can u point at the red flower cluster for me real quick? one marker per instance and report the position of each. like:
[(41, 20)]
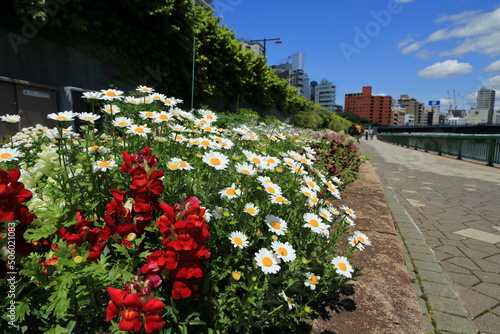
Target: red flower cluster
[(81, 232), (12, 196), (136, 306), (184, 231), (132, 215)]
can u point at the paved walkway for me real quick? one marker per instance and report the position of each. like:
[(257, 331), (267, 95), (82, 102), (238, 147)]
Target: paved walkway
[(448, 217)]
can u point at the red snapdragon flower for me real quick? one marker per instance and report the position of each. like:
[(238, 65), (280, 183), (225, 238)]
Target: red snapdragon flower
[(135, 305), (12, 195)]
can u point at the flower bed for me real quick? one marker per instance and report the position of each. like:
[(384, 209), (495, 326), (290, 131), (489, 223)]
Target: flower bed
[(153, 219)]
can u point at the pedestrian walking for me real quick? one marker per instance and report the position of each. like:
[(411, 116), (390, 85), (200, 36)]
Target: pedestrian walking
[(366, 134)]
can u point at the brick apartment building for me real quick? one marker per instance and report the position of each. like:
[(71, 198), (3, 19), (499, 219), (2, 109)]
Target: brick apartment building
[(376, 109)]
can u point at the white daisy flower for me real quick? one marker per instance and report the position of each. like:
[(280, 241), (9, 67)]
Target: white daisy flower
[(343, 266), (288, 300), (164, 116), (9, 154), (170, 101), (308, 192), (64, 116), (251, 209), (10, 118), (147, 114), (267, 261), (311, 280), (122, 122), (92, 95), (144, 89), (335, 192), (314, 222), (133, 100), (141, 130), (98, 149), (238, 239), (348, 211), (111, 94), (279, 199), (111, 109), (284, 251), (104, 165), (215, 159), (272, 189), (230, 192), (276, 224), (245, 168), (359, 240), (88, 117), (311, 183), (325, 214)]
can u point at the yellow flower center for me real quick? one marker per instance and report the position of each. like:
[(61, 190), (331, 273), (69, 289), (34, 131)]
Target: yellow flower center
[(238, 241), (61, 117), (361, 239), (275, 224), (267, 261), (313, 280), (236, 275), (205, 143), (271, 190), (182, 164), (167, 101), (215, 161), (122, 123), (173, 166), (342, 266), (231, 192), (5, 155), (164, 117), (279, 199), (110, 93), (282, 251), (256, 160), (94, 148), (139, 130), (104, 164), (148, 114), (314, 222), (251, 211)]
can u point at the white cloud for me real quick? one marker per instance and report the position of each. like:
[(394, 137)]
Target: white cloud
[(494, 67), (458, 18), (492, 83), (446, 69), (473, 30)]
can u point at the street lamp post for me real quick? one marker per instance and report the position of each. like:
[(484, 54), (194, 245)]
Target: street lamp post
[(277, 41)]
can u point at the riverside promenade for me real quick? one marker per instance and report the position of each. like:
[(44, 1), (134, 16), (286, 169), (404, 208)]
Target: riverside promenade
[(447, 213)]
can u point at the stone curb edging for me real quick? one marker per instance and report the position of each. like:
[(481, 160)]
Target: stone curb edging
[(440, 304)]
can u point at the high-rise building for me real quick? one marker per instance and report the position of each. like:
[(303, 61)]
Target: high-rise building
[(324, 95), (413, 107), (293, 71), (375, 108), (485, 104)]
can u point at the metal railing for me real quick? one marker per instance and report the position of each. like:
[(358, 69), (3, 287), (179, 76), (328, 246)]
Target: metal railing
[(484, 148)]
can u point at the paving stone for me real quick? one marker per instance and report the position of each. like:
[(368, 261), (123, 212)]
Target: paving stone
[(463, 262), (431, 266), (420, 249), (453, 250), (432, 276), (447, 305), (489, 323), (429, 327), (453, 323), (453, 268), (488, 289), (475, 303), (487, 277), (487, 266), (438, 289), (466, 280)]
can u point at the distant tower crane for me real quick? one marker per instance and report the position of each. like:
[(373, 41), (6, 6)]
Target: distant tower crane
[(472, 105)]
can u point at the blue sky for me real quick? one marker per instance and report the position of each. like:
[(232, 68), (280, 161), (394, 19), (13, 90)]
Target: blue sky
[(426, 49)]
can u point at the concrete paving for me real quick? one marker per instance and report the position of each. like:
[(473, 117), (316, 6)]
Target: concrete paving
[(448, 218)]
